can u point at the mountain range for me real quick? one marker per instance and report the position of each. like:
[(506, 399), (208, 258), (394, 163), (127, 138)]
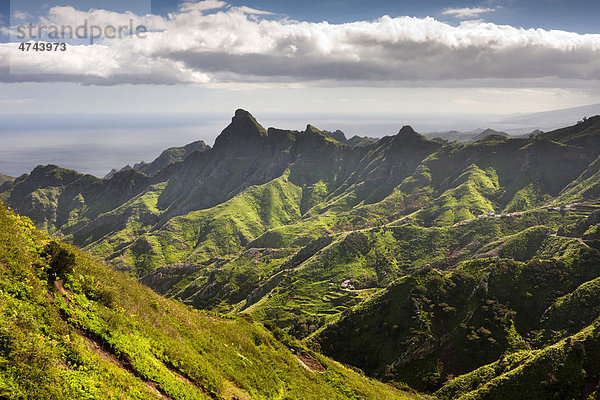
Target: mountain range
[(170, 156), (465, 137), (460, 269)]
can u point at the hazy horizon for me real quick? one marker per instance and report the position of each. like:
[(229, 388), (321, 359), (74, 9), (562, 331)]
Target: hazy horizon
[(96, 143)]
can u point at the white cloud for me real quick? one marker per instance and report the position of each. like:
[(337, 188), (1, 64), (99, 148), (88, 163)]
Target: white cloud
[(467, 12), (235, 45), (205, 5), (16, 101), (21, 15), (254, 11)]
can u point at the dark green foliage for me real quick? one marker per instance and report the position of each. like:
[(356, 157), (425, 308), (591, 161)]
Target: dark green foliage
[(566, 370), (308, 251), (444, 325), (524, 245), (571, 313), (61, 259), (585, 227), (357, 243)]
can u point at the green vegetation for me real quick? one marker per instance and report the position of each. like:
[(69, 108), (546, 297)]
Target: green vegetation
[(73, 328), (586, 187), (170, 156), (197, 236), (571, 313), (566, 370), (472, 194), (527, 198), (443, 266), (430, 326), (5, 178)]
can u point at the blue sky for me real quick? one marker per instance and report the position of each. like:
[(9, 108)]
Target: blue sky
[(362, 65), (578, 15)]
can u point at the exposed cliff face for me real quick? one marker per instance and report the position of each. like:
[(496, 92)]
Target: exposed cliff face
[(243, 135), (244, 154)]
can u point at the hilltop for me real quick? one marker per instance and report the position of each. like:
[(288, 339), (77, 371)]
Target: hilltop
[(4, 178), (465, 137), (170, 156)]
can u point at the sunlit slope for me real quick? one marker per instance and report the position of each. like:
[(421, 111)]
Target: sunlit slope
[(73, 328)]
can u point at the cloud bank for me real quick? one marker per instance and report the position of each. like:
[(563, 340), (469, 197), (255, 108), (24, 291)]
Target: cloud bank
[(467, 12), (212, 43)]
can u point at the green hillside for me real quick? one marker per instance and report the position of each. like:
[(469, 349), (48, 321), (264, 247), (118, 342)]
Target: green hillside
[(586, 187), (5, 178), (73, 328), (431, 325), (473, 193), (170, 156), (565, 370)]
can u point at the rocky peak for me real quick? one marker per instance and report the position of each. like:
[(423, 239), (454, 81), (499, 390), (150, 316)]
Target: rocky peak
[(407, 130), (243, 130), (198, 145), (52, 175), (312, 129), (337, 135), (405, 136)]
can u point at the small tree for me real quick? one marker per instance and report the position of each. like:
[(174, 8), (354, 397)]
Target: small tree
[(61, 259)]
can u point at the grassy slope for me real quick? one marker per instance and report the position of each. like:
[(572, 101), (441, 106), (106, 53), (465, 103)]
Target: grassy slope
[(197, 236), (96, 333), (570, 313), (61, 199), (301, 296), (431, 326), (293, 293), (566, 370), (585, 187), (472, 194), (333, 197), (569, 368), (5, 178)]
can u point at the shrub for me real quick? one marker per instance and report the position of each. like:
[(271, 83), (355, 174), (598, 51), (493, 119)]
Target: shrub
[(61, 259)]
